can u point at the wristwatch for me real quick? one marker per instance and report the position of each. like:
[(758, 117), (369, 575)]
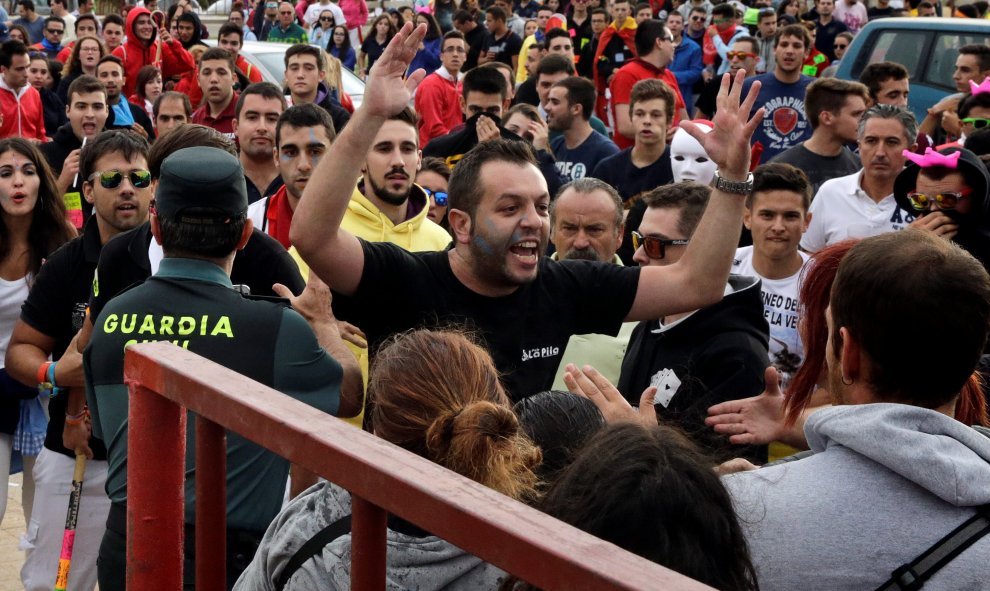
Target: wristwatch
[(736, 187)]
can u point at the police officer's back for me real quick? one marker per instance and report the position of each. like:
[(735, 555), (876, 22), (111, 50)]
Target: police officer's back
[(200, 220)]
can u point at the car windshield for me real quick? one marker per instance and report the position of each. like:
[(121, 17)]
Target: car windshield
[(274, 62)]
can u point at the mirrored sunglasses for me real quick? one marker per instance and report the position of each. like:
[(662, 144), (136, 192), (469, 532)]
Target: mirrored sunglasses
[(111, 179)]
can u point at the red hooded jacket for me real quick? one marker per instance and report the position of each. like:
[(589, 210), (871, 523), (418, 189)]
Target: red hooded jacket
[(175, 60)]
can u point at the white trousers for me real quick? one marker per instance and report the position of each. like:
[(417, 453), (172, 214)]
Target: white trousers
[(6, 448), (43, 541), (27, 488), (355, 39)]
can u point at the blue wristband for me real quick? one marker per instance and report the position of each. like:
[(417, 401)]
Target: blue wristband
[(51, 376)]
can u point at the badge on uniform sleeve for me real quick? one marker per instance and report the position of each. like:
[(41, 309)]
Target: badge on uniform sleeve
[(667, 383)]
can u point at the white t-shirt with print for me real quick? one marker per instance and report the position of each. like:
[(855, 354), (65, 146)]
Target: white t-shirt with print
[(780, 308)]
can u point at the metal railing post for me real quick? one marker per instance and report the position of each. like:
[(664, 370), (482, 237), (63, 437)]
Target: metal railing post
[(155, 495), (367, 545), (211, 505)]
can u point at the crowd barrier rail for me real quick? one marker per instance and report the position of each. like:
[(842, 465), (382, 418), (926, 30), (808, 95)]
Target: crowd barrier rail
[(165, 380)]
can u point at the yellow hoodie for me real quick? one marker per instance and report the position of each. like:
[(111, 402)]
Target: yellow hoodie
[(417, 234)]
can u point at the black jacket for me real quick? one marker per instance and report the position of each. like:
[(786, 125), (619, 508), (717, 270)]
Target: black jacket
[(332, 105), (140, 117), (56, 152), (54, 112), (718, 353)]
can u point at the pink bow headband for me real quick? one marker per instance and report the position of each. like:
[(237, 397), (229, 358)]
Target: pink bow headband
[(932, 158), (980, 88)]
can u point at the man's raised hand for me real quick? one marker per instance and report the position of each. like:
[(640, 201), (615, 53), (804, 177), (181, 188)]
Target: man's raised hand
[(388, 90), (728, 143)]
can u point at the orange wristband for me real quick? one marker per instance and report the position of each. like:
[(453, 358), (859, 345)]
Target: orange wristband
[(43, 372)]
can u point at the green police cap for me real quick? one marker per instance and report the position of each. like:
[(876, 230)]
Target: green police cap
[(201, 186)]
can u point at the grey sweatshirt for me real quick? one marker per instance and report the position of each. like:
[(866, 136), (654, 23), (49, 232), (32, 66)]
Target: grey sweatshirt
[(412, 563), (886, 482)]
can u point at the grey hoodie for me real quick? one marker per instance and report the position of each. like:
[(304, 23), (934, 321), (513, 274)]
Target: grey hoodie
[(412, 563), (886, 482)]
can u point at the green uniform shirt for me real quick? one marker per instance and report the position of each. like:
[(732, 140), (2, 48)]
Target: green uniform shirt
[(192, 303), (294, 34)]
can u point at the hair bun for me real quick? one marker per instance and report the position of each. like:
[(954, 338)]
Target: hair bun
[(478, 423)]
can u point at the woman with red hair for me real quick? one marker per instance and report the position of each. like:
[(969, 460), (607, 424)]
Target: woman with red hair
[(776, 416)]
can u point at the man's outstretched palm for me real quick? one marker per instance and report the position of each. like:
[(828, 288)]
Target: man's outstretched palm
[(388, 90)]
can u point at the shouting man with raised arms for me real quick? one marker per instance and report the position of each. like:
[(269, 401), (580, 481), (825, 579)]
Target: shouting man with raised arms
[(495, 278)]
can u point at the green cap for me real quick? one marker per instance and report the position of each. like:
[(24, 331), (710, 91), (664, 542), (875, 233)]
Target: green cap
[(201, 186)]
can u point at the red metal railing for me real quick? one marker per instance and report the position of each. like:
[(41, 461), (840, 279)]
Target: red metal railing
[(165, 380)]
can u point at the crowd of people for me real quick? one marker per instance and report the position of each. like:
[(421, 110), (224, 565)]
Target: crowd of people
[(649, 268)]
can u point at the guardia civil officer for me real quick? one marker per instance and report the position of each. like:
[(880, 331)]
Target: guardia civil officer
[(200, 221)]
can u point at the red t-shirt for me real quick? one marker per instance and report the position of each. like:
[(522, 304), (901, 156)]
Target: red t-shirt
[(224, 122), (626, 77)]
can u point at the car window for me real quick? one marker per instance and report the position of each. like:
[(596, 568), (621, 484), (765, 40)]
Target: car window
[(274, 62), (902, 47), (944, 52)]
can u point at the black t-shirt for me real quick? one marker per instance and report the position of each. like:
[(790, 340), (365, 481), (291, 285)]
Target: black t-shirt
[(877, 12), (505, 47), (525, 332), (526, 93), (705, 105), (373, 50), (825, 37), (475, 39), (630, 180), (124, 262), (56, 307)]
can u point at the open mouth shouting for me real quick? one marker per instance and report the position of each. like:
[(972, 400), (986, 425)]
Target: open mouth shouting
[(526, 251)]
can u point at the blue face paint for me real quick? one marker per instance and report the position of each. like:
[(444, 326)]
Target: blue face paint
[(314, 158)]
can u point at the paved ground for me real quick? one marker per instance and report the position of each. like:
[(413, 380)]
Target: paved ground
[(13, 526)]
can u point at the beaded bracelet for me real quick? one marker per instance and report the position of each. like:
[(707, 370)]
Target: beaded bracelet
[(78, 419)]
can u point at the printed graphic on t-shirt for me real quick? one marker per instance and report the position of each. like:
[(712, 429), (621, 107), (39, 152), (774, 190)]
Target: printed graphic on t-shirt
[(572, 170), (780, 308), (667, 383), (784, 124)]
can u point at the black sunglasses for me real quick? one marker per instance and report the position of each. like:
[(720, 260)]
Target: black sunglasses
[(655, 248), (328, 19), (55, 31)]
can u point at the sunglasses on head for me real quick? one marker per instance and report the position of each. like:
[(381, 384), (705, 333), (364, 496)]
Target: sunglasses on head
[(945, 199), (977, 122), (739, 54), (439, 197), (655, 248), (111, 179)]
